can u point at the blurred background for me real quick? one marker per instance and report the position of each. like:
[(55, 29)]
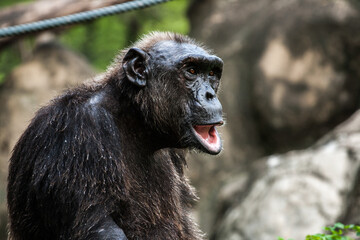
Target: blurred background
[(290, 92)]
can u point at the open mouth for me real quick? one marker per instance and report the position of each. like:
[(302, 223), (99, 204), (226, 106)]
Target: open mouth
[(209, 137)]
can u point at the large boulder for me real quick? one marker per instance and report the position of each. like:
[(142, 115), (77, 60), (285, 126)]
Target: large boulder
[(298, 193), (51, 69), (291, 75), (291, 67)]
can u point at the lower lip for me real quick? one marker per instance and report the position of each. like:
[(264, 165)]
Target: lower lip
[(212, 143)]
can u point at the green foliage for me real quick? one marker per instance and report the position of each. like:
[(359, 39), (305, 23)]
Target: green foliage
[(100, 40), (2, 77), (337, 232), (5, 3), (9, 58)]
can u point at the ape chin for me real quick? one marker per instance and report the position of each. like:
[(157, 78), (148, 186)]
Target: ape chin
[(105, 160)]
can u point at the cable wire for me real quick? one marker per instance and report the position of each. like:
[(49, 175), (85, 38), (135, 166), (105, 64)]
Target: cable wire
[(77, 17)]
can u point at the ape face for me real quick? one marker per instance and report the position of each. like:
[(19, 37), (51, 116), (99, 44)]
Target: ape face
[(181, 80)]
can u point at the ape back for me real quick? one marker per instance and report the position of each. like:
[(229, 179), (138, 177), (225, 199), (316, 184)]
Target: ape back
[(105, 160)]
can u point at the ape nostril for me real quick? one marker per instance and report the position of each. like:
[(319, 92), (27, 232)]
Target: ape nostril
[(209, 96)]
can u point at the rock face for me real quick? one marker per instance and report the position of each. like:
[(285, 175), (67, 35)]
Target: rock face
[(291, 75), (290, 66), (300, 192), (50, 70)]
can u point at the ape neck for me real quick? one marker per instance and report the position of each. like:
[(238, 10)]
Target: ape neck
[(130, 122)]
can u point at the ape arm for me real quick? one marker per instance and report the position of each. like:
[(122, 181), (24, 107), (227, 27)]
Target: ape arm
[(72, 172)]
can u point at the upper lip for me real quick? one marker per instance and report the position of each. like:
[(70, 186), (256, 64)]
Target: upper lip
[(219, 123)]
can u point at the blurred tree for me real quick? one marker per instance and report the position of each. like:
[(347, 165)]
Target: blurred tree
[(10, 56), (5, 3), (101, 39)]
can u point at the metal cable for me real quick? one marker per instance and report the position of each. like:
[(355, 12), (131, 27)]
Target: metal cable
[(77, 18)]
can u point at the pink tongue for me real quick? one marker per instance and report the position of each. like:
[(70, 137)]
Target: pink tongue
[(207, 132)]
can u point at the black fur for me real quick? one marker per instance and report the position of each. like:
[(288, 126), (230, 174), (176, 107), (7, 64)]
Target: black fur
[(107, 159)]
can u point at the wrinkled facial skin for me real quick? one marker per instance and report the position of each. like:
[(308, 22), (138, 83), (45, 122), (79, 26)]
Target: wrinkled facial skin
[(199, 73)]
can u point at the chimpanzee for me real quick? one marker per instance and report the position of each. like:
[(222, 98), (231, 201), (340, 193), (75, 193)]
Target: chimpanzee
[(105, 160)]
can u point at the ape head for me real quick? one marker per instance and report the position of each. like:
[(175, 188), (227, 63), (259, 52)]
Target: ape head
[(173, 83)]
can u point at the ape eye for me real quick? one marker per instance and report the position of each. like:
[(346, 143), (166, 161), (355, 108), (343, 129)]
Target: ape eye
[(211, 73), (192, 71)]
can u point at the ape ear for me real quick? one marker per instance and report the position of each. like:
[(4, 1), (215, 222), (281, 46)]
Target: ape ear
[(135, 65)]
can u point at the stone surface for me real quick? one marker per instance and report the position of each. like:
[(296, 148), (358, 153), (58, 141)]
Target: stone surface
[(50, 70), (290, 67), (299, 193), (291, 75)]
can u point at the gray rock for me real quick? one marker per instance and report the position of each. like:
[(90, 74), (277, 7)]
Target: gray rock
[(50, 70), (300, 191), (291, 75)]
